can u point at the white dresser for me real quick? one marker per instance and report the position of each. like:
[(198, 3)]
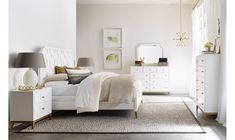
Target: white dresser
[(155, 79), (30, 106), (207, 82)]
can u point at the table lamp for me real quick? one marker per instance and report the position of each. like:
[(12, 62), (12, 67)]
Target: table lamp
[(30, 60), (85, 62)]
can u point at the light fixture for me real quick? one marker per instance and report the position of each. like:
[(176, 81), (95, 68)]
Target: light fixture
[(30, 60), (181, 36)]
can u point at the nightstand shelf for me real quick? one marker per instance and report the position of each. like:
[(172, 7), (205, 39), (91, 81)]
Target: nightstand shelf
[(30, 106)]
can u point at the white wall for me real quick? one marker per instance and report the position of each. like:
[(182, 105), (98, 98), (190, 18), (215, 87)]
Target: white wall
[(36, 23), (140, 24)]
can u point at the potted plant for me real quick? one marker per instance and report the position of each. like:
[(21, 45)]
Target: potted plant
[(208, 46)]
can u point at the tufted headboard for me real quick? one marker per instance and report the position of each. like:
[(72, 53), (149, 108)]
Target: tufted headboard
[(55, 57)]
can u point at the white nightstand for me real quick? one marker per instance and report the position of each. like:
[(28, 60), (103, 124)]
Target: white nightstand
[(30, 106)]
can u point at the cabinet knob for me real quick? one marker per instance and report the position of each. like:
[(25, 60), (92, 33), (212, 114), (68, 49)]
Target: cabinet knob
[(202, 71), (43, 96), (202, 93), (43, 108)]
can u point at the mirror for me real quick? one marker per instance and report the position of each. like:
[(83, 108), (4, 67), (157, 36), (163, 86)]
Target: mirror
[(151, 52)]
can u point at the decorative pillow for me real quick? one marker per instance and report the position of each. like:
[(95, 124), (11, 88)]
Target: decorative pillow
[(80, 71), (76, 76), (62, 69)]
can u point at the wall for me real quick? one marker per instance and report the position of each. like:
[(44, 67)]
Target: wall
[(36, 23), (140, 24)]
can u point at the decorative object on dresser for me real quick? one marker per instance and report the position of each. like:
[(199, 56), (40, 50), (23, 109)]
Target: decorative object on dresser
[(30, 106), (30, 60), (155, 79), (207, 80)]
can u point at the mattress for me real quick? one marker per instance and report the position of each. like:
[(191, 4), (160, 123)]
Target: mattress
[(63, 99), (65, 90)]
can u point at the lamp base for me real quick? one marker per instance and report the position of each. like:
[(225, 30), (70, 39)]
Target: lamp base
[(30, 78)]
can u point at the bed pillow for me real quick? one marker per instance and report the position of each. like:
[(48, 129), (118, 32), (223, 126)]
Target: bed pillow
[(62, 69), (76, 76), (54, 77)]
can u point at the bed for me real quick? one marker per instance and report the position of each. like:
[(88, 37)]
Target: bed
[(63, 95)]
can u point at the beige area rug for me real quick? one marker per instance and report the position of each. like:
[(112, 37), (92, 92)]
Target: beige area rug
[(152, 118)]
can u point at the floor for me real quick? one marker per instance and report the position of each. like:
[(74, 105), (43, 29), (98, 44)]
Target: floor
[(214, 131)]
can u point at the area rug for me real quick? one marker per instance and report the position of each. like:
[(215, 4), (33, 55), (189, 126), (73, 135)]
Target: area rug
[(152, 118)]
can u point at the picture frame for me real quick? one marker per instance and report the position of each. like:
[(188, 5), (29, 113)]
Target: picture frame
[(112, 59), (112, 38)]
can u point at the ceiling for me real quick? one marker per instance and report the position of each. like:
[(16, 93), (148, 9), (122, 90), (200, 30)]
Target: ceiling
[(135, 1)]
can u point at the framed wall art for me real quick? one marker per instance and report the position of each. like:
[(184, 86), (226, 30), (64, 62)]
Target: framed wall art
[(112, 59), (112, 38)]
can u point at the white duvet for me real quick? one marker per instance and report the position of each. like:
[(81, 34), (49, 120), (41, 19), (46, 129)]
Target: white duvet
[(88, 95)]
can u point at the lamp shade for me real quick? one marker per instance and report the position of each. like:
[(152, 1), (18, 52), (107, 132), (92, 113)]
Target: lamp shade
[(30, 60), (85, 62)]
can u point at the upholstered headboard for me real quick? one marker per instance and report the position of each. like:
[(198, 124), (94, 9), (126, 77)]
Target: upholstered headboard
[(55, 57)]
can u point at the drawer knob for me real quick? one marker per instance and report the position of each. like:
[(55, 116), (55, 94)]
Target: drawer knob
[(202, 93), (202, 71), (43, 96), (202, 60), (43, 108)]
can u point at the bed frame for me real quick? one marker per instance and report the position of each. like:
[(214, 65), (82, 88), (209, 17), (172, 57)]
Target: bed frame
[(61, 57)]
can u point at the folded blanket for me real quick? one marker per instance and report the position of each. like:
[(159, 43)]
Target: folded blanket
[(122, 89), (88, 94)]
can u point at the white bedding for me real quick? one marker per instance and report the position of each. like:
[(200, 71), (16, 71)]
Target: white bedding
[(56, 83), (120, 89), (66, 90), (88, 94)]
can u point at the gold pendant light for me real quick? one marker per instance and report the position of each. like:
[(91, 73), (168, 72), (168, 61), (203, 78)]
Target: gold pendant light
[(181, 37)]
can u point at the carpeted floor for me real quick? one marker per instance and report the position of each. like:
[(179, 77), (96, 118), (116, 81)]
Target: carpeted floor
[(152, 118)]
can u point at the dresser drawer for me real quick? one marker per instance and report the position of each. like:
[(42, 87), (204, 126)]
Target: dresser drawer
[(136, 69), (162, 69), (150, 69), (200, 94), (153, 75), (163, 75), (200, 103), (145, 82), (200, 61)]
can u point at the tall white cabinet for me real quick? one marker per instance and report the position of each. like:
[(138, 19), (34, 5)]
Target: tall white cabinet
[(207, 82), (154, 78)]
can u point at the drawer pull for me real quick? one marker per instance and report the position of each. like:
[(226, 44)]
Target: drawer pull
[(202, 71), (43, 96), (202, 93), (202, 60), (43, 108)]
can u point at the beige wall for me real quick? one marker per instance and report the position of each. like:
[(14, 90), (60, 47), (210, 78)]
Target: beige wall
[(140, 24), (36, 23)]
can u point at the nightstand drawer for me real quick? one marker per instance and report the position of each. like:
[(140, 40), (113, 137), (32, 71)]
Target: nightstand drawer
[(40, 96), (42, 109)]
